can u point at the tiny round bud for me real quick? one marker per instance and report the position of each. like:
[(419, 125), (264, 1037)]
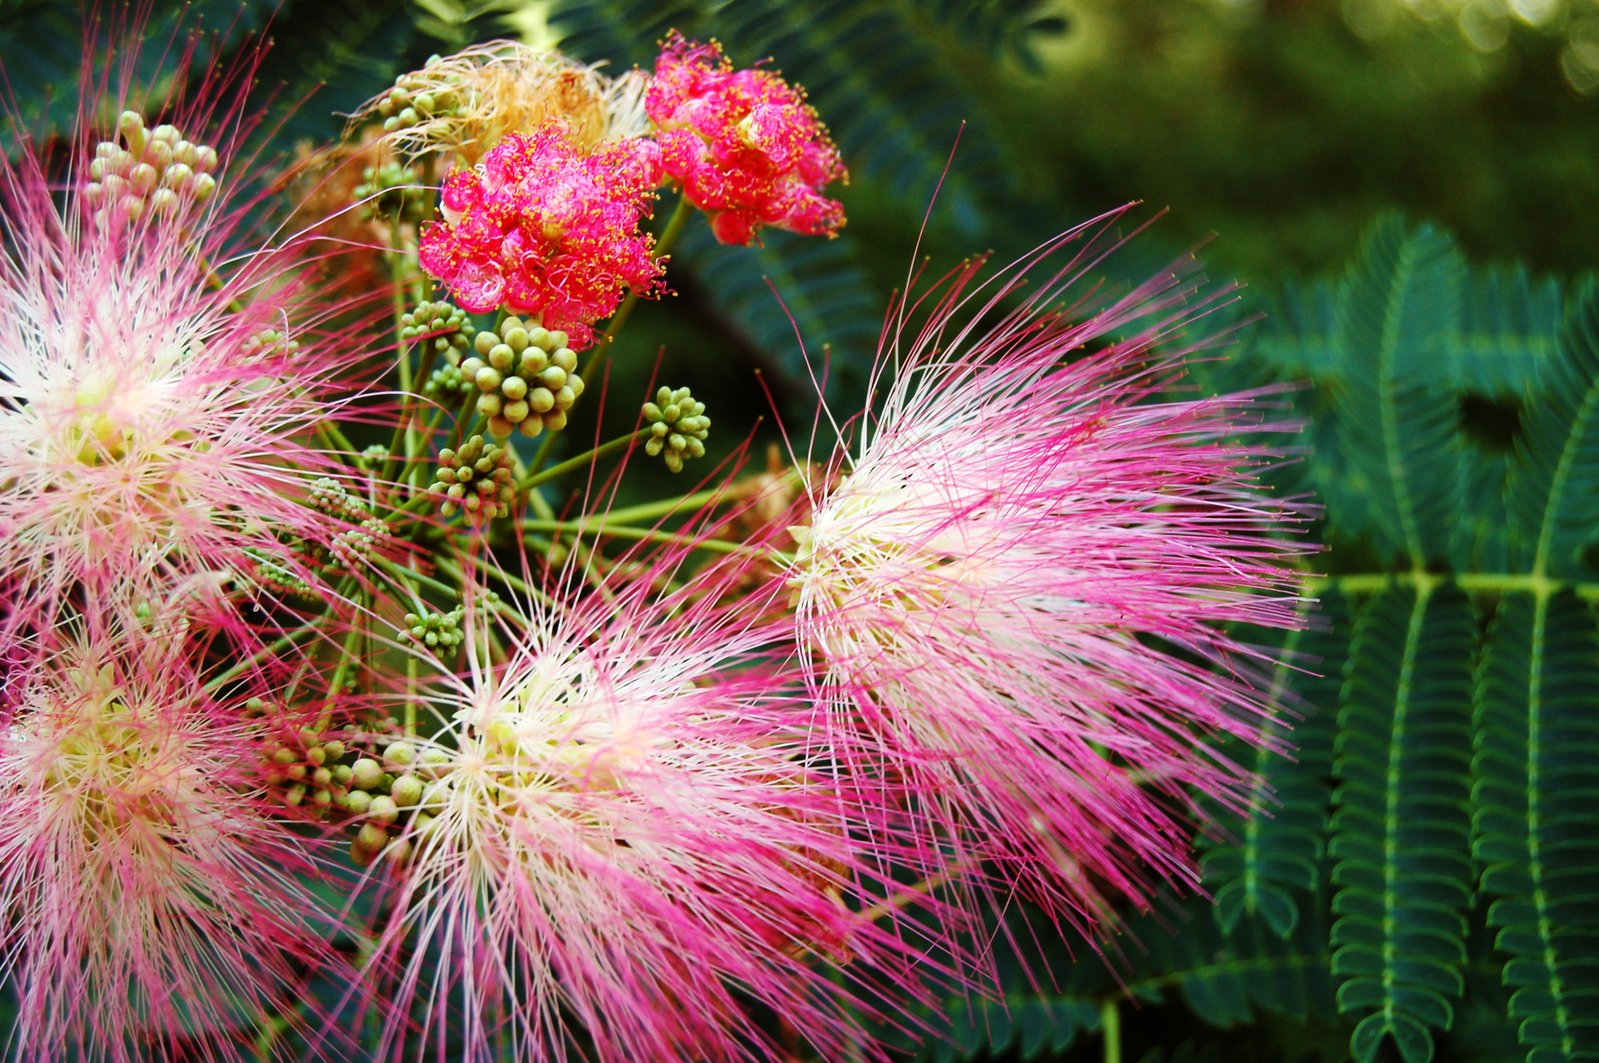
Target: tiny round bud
[(358, 802), (143, 178), (384, 809), (407, 790), (372, 836), (400, 753), (365, 774)]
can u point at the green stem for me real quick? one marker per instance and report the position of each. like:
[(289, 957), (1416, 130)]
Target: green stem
[(405, 575), (586, 458), (347, 658), (1110, 1021), (654, 535), (514, 582), (666, 507), (1470, 582), (335, 438)]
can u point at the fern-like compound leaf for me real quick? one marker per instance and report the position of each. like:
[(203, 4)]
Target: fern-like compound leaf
[(1399, 429), (1273, 863), (1536, 815), (1400, 829), (1553, 505)]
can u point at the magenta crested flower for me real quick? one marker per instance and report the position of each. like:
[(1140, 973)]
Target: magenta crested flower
[(619, 829), (161, 374), (1024, 580), (153, 906), (747, 148), (546, 228)]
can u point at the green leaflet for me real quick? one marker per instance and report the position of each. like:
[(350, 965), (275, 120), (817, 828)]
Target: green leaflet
[(1451, 414), (1276, 856), (1400, 829), (1552, 502), (1532, 813), (1399, 305)]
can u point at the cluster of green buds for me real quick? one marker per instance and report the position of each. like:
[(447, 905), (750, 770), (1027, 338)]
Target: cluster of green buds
[(390, 794), (678, 427), (269, 341), (527, 377), (391, 190), (262, 573), (444, 323), (149, 169), (447, 384), (477, 479), (333, 498), (416, 98), (353, 547), (303, 769), (436, 631), (372, 458)]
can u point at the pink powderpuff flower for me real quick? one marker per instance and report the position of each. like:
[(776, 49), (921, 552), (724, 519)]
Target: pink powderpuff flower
[(617, 840), (155, 909), (545, 228), (745, 145), (1024, 577), (161, 372)]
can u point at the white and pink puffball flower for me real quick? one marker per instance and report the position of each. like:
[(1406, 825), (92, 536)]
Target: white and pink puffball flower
[(156, 907), (618, 840), (162, 371), (1029, 579)]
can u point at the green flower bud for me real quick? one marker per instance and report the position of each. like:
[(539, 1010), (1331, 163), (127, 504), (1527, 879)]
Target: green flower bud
[(384, 809), (365, 774), (407, 790)]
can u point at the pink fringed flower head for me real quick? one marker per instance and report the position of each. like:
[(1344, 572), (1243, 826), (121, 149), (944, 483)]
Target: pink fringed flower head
[(546, 229), (618, 829), (1023, 580), (745, 145), (153, 906), (161, 374)]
